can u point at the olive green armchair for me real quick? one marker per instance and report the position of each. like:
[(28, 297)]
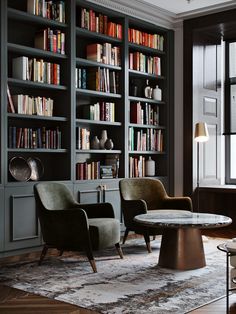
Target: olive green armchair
[(69, 226), (140, 195)]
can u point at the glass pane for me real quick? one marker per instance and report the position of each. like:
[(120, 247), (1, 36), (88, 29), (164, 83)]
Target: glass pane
[(232, 59), (233, 108), (233, 156)]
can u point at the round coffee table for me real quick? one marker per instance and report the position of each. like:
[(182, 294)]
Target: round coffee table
[(181, 244)]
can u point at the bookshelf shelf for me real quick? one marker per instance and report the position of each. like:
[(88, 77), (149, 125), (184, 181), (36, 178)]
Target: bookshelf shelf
[(146, 126), (89, 63), (31, 84), (145, 49), (98, 151), (141, 99), (30, 51), (89, 92), (86, 121), (98, 36), (145, 152), (27, 17), (37, 150), (36, 117), (135, 73)]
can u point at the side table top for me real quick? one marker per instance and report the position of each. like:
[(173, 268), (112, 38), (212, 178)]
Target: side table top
[(173, 218)]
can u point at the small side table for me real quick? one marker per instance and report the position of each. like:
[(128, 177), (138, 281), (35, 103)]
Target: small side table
[(222, 247)]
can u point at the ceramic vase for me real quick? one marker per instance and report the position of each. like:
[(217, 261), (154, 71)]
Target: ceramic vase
[(108, 144), (157, 93), (95, 144), (103, 139), (150, 167)]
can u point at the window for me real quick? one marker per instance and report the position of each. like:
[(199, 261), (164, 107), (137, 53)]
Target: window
[(230, 112)]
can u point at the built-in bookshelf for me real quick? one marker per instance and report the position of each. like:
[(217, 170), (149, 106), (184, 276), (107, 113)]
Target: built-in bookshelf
[(147, 134), (78, 81), (99, 90), (37, 118)]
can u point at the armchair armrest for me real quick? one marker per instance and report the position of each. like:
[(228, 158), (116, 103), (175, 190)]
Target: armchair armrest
[(184, 203), (132, 208), (99, 210), (63, 227)]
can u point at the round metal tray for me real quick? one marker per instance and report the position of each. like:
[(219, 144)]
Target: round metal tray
[(19, 169)]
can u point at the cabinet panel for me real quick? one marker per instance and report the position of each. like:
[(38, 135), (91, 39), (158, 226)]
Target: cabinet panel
[(21, 224), (99, 192), (2, 228)]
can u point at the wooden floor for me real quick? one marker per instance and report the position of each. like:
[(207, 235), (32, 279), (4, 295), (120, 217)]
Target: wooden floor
[(20, 302)]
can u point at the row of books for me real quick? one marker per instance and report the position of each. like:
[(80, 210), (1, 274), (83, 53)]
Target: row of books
[(103, 80), (144, 113), (54, 10), (137, 166), (155, 41), (145, 140), (82, 138), (88, 170), (140, 62), (104, 53), (25, 104), (34, 138), (50, 40), (99, 23), (101, 111), (35, 70)]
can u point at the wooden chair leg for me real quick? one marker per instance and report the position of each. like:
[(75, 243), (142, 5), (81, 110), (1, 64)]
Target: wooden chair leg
[(147, 240), (125, 235), (154, 237), (44, 252), (93, 265), (60, 252), (90, 257), (119, 250)]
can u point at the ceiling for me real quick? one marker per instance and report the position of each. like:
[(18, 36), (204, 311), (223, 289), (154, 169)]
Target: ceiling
[(181, 7)]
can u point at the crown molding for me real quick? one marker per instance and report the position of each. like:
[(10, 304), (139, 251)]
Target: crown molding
[(157, 15), (141, 10)]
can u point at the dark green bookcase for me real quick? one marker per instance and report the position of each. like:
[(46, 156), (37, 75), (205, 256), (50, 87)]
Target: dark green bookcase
[(19, 228)]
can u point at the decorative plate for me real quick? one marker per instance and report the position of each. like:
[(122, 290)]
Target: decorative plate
[(19, 169)]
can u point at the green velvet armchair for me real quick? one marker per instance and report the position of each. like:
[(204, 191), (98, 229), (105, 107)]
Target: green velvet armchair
[(140, 195), (70, 226)]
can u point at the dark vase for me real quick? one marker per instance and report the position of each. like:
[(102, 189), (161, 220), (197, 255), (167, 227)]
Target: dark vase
[(109, 144)]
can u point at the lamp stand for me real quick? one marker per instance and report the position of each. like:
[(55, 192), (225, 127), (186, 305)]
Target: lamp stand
[(198, 177)]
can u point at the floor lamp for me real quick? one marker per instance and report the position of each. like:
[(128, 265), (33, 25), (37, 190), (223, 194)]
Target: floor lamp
[(200, 135)]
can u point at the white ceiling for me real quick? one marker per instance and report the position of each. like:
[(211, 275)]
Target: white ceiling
[(183, 6)]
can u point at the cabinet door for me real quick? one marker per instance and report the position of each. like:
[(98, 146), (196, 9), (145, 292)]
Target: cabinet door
[(99, 192), (88, 192), (111, 194), (21, 222)]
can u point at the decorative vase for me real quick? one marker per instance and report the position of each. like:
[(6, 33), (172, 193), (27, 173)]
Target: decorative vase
[(150, 167), (148, 90), (103, 139), (109, 144), (157, 93), (95, 143)]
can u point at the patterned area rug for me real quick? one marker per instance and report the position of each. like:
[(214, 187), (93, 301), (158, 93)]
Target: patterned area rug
[(133, 285)]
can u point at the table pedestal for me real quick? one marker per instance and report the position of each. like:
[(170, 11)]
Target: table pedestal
[(182, 249)]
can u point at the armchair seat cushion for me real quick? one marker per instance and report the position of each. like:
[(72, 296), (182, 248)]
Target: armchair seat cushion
[(104, 232)]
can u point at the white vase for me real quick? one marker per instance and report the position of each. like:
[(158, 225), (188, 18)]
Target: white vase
[(103, 139), (150, 167), (157, 93)]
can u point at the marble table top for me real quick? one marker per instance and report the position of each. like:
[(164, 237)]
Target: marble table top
[(172, 218)]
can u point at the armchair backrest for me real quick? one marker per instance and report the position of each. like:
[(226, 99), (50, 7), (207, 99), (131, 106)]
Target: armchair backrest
[(150, 190), (54, 196)]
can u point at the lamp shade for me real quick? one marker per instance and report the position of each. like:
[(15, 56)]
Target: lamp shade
[(201, 132)]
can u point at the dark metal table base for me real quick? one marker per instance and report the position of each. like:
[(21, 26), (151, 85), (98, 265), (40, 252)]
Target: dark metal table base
[(182, 249)]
